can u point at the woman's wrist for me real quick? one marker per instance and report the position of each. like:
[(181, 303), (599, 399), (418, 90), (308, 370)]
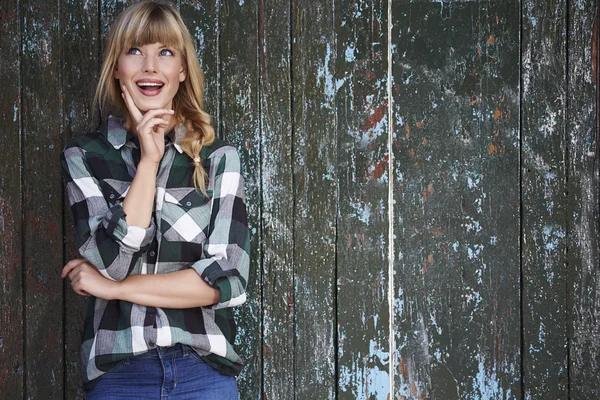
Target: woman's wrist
[(116, 292), (147, 163)]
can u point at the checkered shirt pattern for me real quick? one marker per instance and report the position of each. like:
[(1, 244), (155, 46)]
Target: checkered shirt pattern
[(188, 230)]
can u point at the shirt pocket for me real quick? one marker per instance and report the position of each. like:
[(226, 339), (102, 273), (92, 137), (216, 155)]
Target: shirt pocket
[(114, 191), (185, 215)]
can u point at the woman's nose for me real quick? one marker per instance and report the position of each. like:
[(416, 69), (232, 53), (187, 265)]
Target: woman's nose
[(150, 65)]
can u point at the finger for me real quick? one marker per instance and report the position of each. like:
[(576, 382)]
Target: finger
[(134, 111), (77, 286), (153, 123), (70, 265), (80, 291), (74, 273), (77, 283), (159, 112)]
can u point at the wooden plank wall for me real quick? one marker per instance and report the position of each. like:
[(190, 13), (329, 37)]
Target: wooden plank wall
[(456, 192), (423, 189)]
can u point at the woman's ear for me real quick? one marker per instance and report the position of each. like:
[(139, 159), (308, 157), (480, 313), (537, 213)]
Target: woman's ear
[(182, 74), (116, 72)]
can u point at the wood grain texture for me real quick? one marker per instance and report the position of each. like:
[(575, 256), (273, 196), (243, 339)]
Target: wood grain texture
[(456, 199), (544, 236), (81, 64), (582, 208), (277, 201), (300, 88), (11, 273), (42, 199), (109, 10), (240, 126), (202, 20), (362, 252), (316, 191)]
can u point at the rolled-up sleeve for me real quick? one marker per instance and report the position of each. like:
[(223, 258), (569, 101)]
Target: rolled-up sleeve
[(226, 260), (103, 236)]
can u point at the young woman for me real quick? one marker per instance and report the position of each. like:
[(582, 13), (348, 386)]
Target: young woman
[(160, 215)]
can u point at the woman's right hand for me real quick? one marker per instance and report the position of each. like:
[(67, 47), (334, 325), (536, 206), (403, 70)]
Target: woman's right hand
[(149, 127)]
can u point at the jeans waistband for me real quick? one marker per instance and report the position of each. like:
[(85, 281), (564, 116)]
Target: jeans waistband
[(161, 351)]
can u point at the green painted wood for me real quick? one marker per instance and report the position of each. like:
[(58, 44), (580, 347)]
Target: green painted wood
[(544, 221), (582, 208), (240, 125), (11, 273), (363, 317), (202, 20), (315, 197), (42, 199), (81, 64), (277, 201), (456, 200)]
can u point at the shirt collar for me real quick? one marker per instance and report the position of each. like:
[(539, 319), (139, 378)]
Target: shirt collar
[(118, 136)]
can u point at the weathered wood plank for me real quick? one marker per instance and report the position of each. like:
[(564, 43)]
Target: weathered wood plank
[(362, 253), (544, 222), (240, 125), (582, 208), (277, 200), (11, 273), (81, 63), (316, 196), (202, 20), (42, 199), (456, 192), (109, 10)]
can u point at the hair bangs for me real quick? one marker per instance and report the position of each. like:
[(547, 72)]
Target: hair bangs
[(155, 26)]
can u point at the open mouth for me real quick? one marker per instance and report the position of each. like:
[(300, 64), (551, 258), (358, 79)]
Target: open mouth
[(150, 88)]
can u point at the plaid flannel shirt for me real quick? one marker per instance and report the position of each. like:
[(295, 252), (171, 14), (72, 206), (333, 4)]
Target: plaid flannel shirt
[(188, 230)]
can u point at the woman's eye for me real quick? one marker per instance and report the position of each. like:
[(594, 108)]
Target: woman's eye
[(166, 52), (133, 50)]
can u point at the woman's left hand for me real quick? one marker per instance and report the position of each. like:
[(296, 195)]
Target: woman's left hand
[(86, 280)]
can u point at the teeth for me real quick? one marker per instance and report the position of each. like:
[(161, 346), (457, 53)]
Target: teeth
[(149, 84)]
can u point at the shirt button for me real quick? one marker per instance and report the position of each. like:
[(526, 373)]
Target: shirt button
[(112, 196), (189, 203), (152, 253)]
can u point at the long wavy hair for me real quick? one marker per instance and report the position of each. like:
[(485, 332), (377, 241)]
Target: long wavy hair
[(149, 22)]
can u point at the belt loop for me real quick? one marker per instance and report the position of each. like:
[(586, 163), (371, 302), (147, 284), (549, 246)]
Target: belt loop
[(185, 349)]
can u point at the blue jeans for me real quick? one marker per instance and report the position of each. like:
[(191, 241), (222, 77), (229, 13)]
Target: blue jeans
[(174, 373)]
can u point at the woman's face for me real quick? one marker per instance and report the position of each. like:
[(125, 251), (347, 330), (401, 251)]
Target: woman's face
[(152, 74)]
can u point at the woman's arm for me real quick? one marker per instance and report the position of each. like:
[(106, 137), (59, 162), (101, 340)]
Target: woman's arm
[(180, 289), (103, 235), (150, 129), (139, 201), (218, 279), (226, 261), (113, 237)]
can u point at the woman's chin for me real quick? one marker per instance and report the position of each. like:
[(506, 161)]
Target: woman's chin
[(145, 106)]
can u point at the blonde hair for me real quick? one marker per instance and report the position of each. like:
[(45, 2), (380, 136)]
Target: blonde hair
[(149, 22)]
